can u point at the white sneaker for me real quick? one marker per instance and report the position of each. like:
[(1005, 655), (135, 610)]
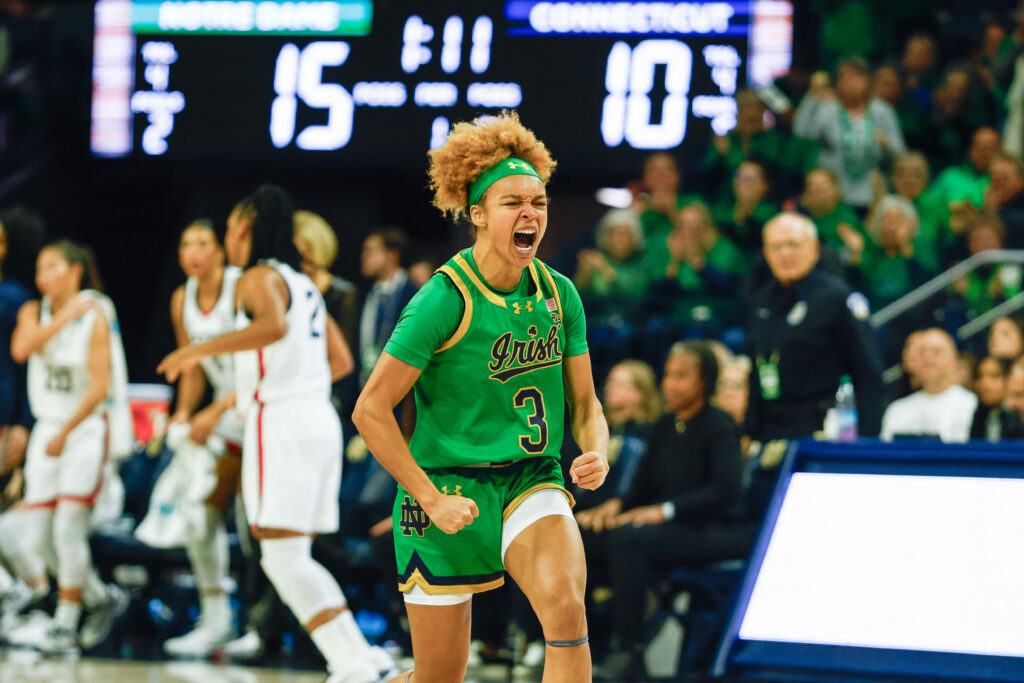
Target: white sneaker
[(11, 604), (99, 620), (248, 646), (382, 661), (59, 641), (31, 631), (202, 641)]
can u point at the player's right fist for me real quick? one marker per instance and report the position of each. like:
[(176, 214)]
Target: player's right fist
[(451, 513)]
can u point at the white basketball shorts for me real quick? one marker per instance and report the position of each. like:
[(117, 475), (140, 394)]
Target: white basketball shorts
[(291, 465)]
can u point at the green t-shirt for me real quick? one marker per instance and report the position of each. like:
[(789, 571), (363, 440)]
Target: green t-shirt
[(491, 387), (957, 184), (657, 224), (828, 225), (619, 296)]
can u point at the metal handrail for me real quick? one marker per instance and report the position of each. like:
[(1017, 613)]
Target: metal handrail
[(943, 280), (988, 317)]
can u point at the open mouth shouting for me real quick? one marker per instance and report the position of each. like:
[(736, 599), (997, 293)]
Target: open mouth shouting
[(524, 240)]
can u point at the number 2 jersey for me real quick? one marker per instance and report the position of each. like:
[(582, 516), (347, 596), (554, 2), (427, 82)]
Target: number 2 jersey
[(58, 374), (491, 388), (294, 366)]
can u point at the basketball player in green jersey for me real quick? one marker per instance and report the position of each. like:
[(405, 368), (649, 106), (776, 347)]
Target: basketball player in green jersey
[(492, 346)]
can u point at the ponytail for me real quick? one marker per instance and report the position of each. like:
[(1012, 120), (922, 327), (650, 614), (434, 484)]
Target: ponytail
[(272, 214)]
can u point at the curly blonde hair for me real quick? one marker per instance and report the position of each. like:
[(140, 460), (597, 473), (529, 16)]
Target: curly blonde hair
[(473, 147)]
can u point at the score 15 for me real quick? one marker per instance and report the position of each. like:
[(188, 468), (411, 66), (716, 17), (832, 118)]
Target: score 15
[(298, 73)]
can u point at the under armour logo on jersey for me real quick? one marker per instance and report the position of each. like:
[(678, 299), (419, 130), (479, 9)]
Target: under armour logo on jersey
[(518, 308), (414, 519), (456, 492), (518, 164)]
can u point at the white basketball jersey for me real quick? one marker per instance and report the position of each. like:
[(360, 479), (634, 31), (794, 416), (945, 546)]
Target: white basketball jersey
[(58, 374), (203, 325), (294, 366)]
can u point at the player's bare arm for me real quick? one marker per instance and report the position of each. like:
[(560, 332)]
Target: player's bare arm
[(589, 427), (192, 383), (265, 297), (374, 417), (30, 336), (339, 356)]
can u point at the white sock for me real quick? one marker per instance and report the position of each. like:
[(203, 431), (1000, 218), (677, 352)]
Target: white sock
[(337, 648), (67, 614), (208, 552), (215, 609), (71, 541), (351, 630)]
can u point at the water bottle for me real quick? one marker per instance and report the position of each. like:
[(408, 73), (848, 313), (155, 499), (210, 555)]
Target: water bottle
[(846, 411)]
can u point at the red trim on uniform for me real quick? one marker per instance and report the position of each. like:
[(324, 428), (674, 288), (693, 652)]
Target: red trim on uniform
[(233, 448), (263, 372), (259, 449), (45, 505)]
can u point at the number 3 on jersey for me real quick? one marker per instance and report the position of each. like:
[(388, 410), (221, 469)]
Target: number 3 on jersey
[(318, 321), (536, 420)]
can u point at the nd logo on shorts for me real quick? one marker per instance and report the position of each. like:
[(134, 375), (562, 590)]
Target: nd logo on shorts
[(414, 519)]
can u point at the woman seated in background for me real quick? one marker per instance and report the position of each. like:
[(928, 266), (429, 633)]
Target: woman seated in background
[(742, 219), (1006, 339), (613, 279), (684, 504), (631, 405), (895, 260), (990, 284), (698, 269), (992, 420)]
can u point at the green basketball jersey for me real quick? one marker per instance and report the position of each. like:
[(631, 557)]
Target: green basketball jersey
[(492, 389)]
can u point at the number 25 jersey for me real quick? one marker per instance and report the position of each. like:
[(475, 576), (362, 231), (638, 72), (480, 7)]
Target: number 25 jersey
[(294, 366)]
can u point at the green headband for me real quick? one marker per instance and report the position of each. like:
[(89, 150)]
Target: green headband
[(502, 169)]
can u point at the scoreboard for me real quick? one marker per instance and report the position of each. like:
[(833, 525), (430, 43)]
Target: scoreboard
[(357, 83)]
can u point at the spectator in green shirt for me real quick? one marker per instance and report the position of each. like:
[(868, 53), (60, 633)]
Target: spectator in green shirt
[(751, 139), (699, 269), (838, 225), (613, 279), (910, 175), (660, 200), (892, 264), (743, 217), (961, 189), (991, 284)]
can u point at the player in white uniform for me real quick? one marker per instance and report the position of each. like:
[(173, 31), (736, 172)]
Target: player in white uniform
[(288, 350), (66, 340), (203, 308)]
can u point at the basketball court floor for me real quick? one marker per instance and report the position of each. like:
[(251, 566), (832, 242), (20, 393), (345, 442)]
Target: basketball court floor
[(28, 667)]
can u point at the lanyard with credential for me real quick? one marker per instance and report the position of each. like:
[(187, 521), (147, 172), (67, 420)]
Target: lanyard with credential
[(768, 370)]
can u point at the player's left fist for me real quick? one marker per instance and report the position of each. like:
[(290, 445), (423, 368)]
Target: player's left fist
[(589, 470)]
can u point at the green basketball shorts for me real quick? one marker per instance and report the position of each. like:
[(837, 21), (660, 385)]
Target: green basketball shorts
[(470, 560)]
